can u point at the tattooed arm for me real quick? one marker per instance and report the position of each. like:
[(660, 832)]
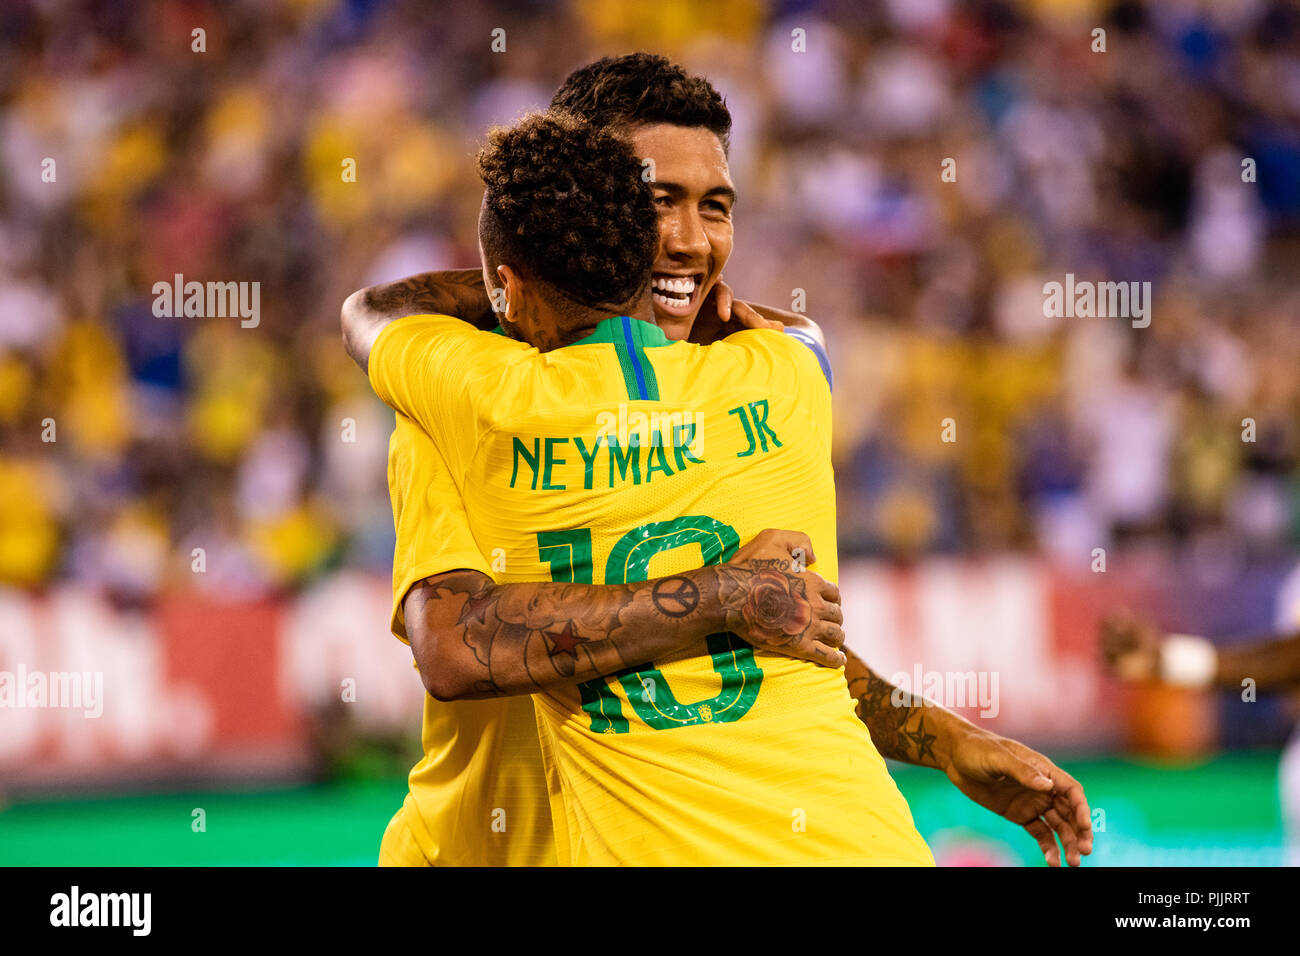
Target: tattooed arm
[(903, 726), (998, 773), (473, 638), (459, 293)]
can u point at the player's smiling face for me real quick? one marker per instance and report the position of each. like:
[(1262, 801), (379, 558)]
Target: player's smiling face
[(694, 195)]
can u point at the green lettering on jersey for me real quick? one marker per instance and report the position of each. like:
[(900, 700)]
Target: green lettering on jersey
[(603, 706), (656, 460), (568, 553), (739, 410), (630, 558), (647, 689), (616, 454), (588, 460), (733, 661), (552, 460), (520, 449), (683, 438), (761, 422)]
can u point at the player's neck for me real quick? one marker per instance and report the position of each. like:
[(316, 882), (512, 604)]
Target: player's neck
[(642, 309)]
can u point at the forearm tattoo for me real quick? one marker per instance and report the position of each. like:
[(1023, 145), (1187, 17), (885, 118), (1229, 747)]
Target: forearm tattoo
[(525, 637), (896, 718), (458, 292)]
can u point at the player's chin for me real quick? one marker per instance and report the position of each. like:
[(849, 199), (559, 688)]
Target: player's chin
[(674, 324)]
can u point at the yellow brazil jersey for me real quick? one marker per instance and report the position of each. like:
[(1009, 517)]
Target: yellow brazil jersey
[(478, 796), (625, 457)]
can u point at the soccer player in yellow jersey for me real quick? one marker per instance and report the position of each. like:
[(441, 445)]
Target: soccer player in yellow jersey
[(479, 796), (659, 105), (614, 456)]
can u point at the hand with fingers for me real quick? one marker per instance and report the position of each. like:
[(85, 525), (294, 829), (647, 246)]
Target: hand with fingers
[(776, 604), (722, 313), (1016, 782), (737, 314)]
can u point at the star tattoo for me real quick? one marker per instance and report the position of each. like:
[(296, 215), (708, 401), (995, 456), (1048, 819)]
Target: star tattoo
[(476, 607), (564, 641), (923, 741)]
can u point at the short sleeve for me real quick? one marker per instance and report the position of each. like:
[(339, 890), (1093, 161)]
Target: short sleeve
[(823, 360), (433, 531), (795, 367), (425, 367)]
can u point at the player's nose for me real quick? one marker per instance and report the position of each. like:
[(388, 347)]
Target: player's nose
[(687, 239)]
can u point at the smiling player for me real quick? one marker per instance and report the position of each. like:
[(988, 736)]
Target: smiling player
[(719, 752), (679, 121)]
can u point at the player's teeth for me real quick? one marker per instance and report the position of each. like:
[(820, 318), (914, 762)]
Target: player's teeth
[(681, 286)]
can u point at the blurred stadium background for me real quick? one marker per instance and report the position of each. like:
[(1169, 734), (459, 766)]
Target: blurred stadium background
[(222, 686)]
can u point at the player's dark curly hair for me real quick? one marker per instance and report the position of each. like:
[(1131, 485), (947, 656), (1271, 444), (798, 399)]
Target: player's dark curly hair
[(643, 88), (566, 204)]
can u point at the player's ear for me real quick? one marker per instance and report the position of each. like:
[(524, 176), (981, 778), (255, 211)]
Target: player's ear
[(515, 292)]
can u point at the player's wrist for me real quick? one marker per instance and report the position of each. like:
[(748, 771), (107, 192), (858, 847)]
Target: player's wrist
[(951, 733), (712, 614)]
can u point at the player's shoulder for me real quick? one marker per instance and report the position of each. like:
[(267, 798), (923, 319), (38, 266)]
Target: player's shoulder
[(431, 342), (791, 347), (436, 325)]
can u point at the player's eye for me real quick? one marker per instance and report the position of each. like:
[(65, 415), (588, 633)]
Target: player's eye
[(715, 208), (663, 202)]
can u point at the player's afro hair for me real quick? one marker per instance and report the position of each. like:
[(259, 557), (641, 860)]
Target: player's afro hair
[(566, 204), (643, 88)]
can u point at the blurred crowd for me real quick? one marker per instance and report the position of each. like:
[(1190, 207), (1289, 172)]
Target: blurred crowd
[(139, 450)]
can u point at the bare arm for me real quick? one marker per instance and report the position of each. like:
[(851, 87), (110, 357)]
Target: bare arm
[(458, 293), (903, 726), (473, 638), (1000, 774), (1132, 649), (1272, 662)]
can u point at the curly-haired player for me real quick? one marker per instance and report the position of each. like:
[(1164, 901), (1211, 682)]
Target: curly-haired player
[(567, 197), (682, 123), (556, 190), (721, 752)]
